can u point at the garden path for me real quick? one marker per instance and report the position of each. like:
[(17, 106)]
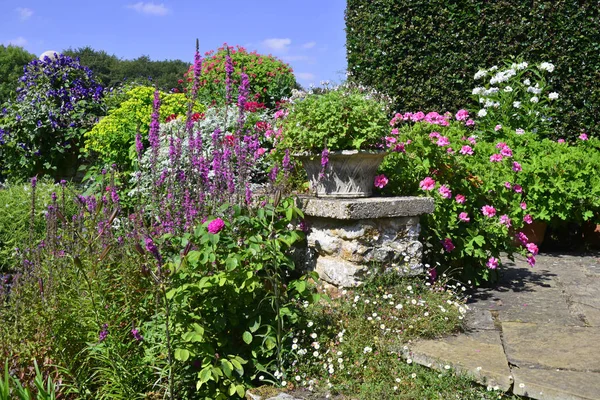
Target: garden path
[(536, 334)]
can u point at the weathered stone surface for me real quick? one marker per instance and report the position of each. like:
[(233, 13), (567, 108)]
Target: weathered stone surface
[(367, 208), (477, 319), (552, 346), (340, 272), (555, 384), (479, 355)]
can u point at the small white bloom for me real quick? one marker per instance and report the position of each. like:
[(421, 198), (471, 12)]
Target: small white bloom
[(283, 383), (315, 354), (413, 301), (480, 74), (527, 82), (367, 349), (398, 306), (553, 96), (298, 378), (310, 323), (547, 66), (521, 385), (294, 346), (517, 104), (409, 360), (495, 67), (413, 375), (534, 99), (446, 367)]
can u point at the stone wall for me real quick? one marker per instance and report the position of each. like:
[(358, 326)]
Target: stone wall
[(351, 238)]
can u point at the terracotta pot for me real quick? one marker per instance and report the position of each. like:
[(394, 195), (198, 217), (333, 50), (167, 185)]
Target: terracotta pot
[(349, 173), (535, 231), (591, 234)]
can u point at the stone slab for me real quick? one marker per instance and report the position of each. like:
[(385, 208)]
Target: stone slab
[(552, 384), (479, 355), (365, 208), (549, 346)]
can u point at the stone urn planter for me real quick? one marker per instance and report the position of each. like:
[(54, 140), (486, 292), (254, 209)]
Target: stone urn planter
[(348, 174)]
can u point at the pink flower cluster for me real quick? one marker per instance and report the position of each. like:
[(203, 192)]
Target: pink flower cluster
[(433, 118), (380, 181), (216, 226), (448, 245), (427, 184)]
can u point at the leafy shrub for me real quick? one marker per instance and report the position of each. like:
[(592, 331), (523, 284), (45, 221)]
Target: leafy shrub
[(41, 132), (424, 53), (343, 118), (12, 61), (270, 79), (112, 139), (478, 207)]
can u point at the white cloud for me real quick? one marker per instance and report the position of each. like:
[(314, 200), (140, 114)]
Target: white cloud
[(309, 45), (20, 41), (277, 44), (149, 8), (24, 13), (307, 76)]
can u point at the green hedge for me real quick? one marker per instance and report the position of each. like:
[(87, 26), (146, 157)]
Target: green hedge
[(425, 53)]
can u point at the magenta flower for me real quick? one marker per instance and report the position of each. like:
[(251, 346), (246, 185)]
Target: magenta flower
[(136, 335), (521, 237), (216, 226), (532, 248), (501, 145), (443, 141), (381, 181), (464, 217), (470, 122), (460, 199), (531, 260), (583, 136), (462, 115), (419, 116), (496, 158), (492, 263), (497, 128), (488, 211), (448, 245), (394, 131), (506, 151), (103, 333), (505, 220), (523, 206), (434, 135), (466, 150), (518, 188), (427, 184), (445, 192), (527, 219), (471, 140), (507, 185), (561, 140), (516, 167)]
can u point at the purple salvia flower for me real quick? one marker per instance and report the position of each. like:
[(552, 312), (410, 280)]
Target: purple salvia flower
[(139, 146), (273, 173), (324, 162), (286, 161), (154, 133), (248, 194), (103, 333), (34, 182)]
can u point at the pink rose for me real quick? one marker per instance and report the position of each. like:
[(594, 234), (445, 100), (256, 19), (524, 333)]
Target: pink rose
[(216, 225)]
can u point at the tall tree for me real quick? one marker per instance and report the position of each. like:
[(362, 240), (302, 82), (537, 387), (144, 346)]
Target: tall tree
[(12, 61)]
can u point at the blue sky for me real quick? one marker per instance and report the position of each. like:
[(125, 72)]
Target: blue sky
[(307, 34)]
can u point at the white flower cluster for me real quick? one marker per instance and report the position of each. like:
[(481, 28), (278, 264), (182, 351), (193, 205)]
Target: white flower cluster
[(503, 76), (546, 66)]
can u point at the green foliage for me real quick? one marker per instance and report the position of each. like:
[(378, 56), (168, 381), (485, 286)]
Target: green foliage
[(424, 54), (112, 139), (233, 300), (112, 71), (46, 389), (15, 219), (343, 118), (270, 78), (12, 61)]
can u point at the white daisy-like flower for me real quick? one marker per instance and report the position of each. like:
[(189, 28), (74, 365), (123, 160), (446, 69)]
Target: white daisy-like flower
[(482, 112), (409, 360), (508, 89), (526, 82), (553, 96), (534, 99), (367, 349), (547, 66), (480, 74)]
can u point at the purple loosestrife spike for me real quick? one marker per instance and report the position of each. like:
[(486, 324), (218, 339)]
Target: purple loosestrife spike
[(139, 146), (286, 161), (228, 73), (154, 133)]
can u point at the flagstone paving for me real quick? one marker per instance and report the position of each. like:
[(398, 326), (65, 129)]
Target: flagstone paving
[(536, 334)]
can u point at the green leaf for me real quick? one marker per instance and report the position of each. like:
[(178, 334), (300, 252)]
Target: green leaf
[(247, 337), (255, 325), (182, 354)]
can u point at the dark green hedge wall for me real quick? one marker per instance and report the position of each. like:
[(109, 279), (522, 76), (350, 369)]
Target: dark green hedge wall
[(424, 53)]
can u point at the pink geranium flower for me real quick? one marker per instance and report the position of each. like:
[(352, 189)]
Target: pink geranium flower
[(488, 211), (497, 128), (448, 245), (471, 139), (434, 135), (381, 181), (521, 237), (462, 115), (532, 248), (531, 260), (518, 188), (466, 150), (561, 140), (500, 145), (506, 151), (445, 192), (470, 122), (460, 198), (427, 184), (516, 167), (507, 185), (496, 158), (464, 217), (216, 225), (492, 263), (523, 206), (443, 141), (583, 136), (505, 220), (527, 219)]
